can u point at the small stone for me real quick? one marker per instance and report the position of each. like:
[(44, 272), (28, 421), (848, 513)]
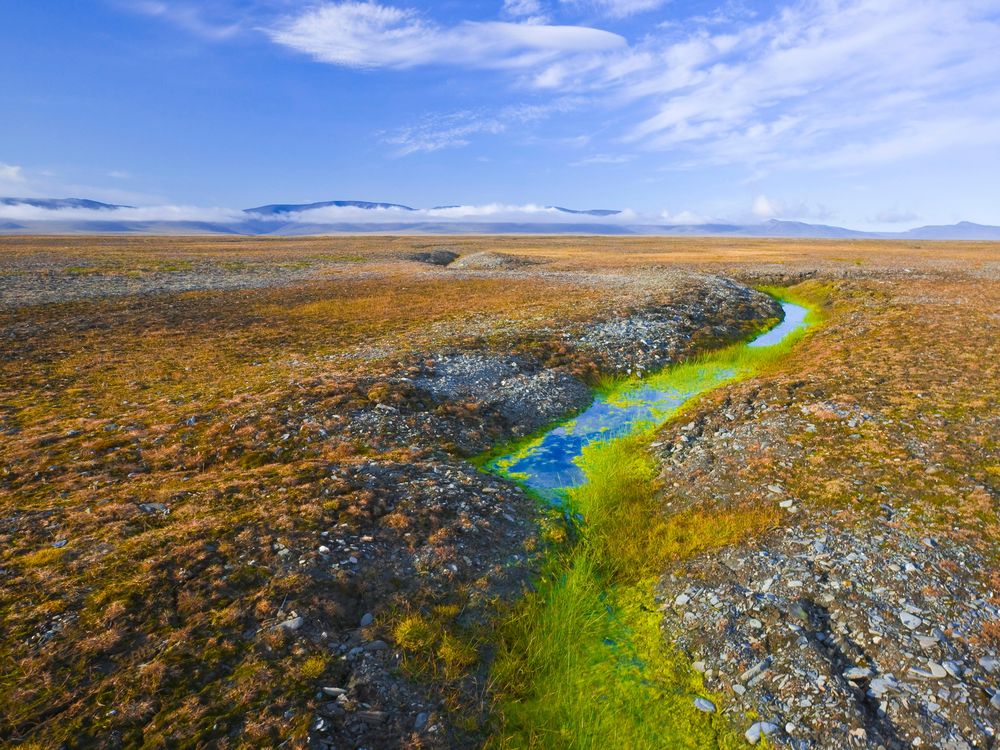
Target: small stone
[(292, 624), (937, 671), (367, 620), (758, 730), (995, 700), (739, 689), (953, 668), (910, 620), (324, 550), (857, 674), (703, 704), (681, 600), (699, 666), (60, 544), (334, 692), (373, 718), (421, 721), (376, 646), (990, 664)]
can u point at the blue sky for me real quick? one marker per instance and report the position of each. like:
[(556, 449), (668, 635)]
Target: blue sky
[(865, 113)]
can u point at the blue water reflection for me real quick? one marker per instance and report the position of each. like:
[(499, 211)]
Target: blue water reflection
[(550, 464)]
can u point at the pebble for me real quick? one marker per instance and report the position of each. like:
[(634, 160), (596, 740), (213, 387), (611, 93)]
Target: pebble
[(681, 600), (857, 674), (910, 620), (367, 619), (953, 668), (703, 704), (990, 664), (938, 671), (758, 730)]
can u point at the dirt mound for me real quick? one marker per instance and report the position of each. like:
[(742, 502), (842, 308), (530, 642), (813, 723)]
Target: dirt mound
[(439, 256), (491, 262)]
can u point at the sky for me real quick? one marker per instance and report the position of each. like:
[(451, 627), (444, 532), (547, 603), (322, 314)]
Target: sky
[(873, 114)]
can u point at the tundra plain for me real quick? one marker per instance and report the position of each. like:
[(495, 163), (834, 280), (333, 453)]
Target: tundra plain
[(239, 506)]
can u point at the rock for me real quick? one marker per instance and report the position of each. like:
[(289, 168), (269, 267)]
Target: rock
[(879, 687), (373, 718), (953, 668), (703, 704), (334, 692), (491, 261), (756, 669), (910, 620), (367, 619), (681, 600), (857, 674), (758, 730), (376, 646), (937, 671), (990, 664), (421, 721), (291, 624), (439, 256), (995, 700)]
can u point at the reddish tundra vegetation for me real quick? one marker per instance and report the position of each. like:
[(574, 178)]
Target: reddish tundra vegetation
[(237, 507)]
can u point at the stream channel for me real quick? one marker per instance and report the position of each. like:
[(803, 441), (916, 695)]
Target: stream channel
[(548, 465)]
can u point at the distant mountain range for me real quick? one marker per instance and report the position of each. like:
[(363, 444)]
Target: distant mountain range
[(292, 219)]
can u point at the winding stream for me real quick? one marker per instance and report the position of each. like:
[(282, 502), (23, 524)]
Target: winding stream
[(548, 465)]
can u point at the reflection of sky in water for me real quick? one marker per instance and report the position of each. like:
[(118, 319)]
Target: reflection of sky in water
[(550, 464), (795, 317)]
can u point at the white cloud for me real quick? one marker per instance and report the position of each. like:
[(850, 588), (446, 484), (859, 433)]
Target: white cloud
[(765, 208), (619, 8), (25, 212), (770, 208), (370, 35), (10, 173), (599, 159), (456, 129), (188, 17), (528, 11), (683, 217), (821, 84), (486, 213)]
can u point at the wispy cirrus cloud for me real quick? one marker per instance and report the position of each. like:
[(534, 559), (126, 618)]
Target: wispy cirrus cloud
[(602, 159), (11, 173), (617, 8), (452, 130), (371, 35), (190, 17), (844, 76)]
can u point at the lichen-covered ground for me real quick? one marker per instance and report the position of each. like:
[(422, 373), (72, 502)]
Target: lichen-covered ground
[(236, 508)]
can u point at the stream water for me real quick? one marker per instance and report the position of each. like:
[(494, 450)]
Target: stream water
[(548, 465)]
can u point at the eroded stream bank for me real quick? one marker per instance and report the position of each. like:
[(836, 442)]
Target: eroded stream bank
[(582, 661)]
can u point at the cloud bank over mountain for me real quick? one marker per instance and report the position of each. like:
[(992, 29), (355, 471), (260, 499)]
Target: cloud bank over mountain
[(55, 216)]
